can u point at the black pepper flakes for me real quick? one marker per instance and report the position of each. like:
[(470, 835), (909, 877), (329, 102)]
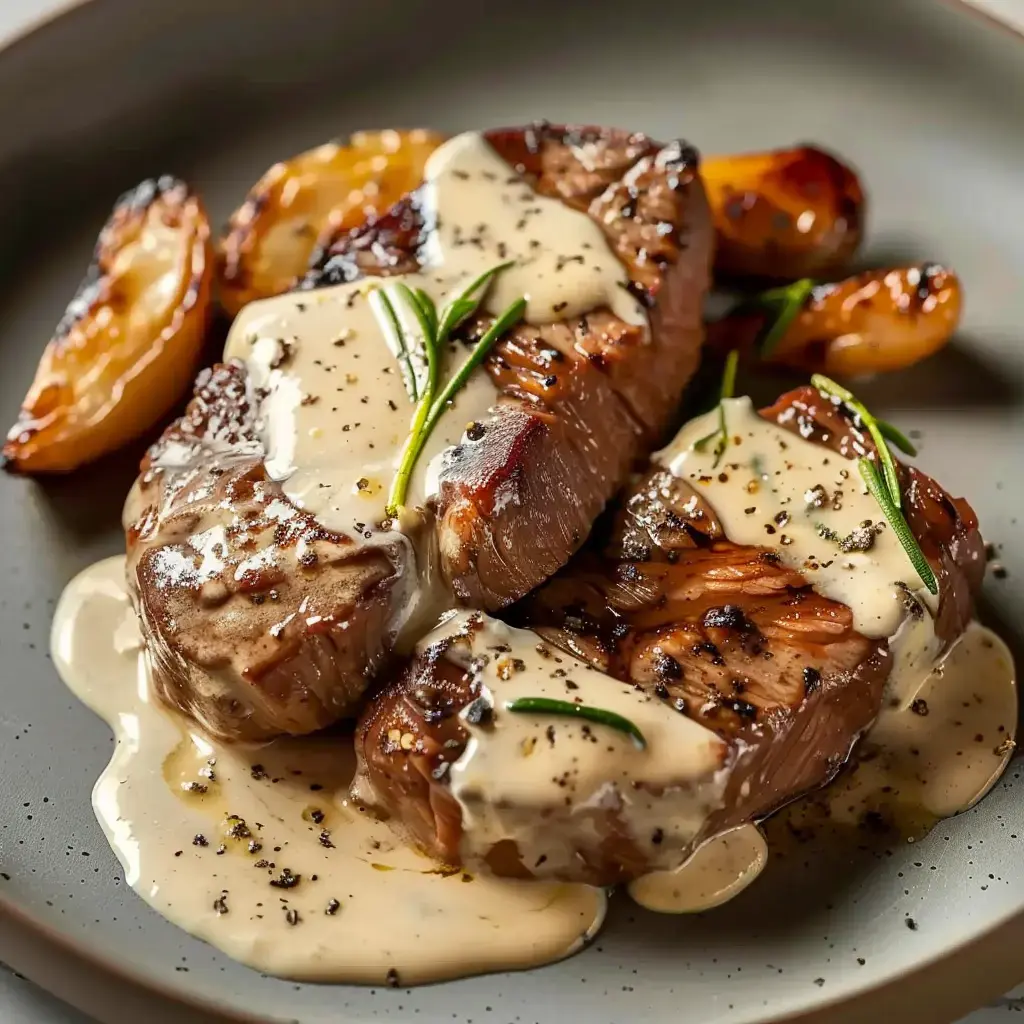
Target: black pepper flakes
[(920, 707), (237, 828), (286, 880), (200, 840), (333, 906), (478, 712), (392, 978), (666, 667), (812, 680), (816, 497)]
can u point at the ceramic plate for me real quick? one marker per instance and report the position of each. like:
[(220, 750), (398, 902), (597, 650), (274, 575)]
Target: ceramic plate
[(923, 98)]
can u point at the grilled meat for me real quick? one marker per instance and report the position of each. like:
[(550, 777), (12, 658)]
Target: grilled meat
[(259, 620), (724, 634)]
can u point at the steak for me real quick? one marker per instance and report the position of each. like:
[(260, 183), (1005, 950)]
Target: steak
[(259, 620), (723, 633)]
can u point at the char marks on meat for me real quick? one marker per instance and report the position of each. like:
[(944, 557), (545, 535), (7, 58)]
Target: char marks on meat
[(260, 621), (724, 633)]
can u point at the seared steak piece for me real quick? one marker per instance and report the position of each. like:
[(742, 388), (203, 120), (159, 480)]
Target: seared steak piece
[(259, 620), (581, 401), (725, 634), (241, 594), (534, 795)]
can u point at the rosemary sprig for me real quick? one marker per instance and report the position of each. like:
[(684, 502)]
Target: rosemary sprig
[(388, 317), (785, 304), (437, 328), (892, 481), (549, 706), (878, 490), (884, 486), (722, 432), (898, 438)]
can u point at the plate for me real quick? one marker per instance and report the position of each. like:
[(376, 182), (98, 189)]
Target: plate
[(919, 96)]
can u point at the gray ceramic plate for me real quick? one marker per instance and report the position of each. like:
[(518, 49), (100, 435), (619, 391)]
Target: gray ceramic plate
[(924, 98)]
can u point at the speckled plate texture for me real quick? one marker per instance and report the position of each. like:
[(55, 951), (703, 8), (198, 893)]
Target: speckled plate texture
[(923, 97)]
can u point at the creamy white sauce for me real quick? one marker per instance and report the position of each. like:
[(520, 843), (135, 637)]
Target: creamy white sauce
[(538, 779), (719, 870), (926, 758), (166, 784), (941, 753), (945, 732), (397, 910), (337, 412), (943, 738), (769, 473)]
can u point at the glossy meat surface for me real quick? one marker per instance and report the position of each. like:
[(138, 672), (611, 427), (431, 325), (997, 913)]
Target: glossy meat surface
[(724, 633), (259, 621)]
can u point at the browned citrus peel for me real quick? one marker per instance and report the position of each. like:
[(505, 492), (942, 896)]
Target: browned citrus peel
[(129, 342), (875, 322), (271, 236), (783, 214)]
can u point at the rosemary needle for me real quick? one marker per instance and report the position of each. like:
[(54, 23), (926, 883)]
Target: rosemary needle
[(898, 438), (883, 486), (875, 486), (437, 328), (727, 390), (549, 706), (892, 481), (786, 303), (386, 314)]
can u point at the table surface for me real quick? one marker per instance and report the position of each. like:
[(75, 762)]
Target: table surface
[(22, 1002)]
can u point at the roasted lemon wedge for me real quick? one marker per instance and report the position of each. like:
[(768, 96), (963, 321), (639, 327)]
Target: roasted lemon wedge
[(273, 233), (783, 214), (128, 344)]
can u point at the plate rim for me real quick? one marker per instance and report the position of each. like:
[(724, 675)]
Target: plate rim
[(991, 952)]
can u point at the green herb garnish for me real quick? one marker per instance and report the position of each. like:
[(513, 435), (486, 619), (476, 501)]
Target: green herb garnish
[(437, 328), (722, 432), (877, 488), (382, 305), (548, 706), (785, 305), (884, 486), (898, 438), (827, 386)]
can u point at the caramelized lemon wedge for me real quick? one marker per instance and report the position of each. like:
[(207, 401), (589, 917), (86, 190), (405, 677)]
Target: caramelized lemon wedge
[(783, 214), (128, 344), (875, 322), (334, 187)]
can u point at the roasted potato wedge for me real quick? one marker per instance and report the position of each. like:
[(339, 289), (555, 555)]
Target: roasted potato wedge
[(873, 322), (785, 214), (128, 345), (271, 236)]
